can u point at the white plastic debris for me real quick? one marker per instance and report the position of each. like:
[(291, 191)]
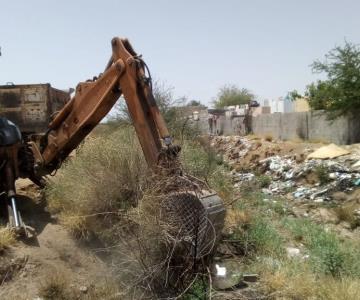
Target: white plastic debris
[(220, 271), (292, 252), (356, 165)]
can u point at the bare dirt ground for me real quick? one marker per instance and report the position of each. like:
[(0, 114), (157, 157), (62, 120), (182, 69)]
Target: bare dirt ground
[(29, 264)]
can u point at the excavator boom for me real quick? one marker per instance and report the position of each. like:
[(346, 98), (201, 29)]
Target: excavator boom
[(124, 75)]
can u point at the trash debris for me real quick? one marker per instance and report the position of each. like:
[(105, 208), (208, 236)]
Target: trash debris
[(292, 252), (357, 212), (278, 165), (309, 193), (356, 165), (294, 178), (220, 271), (83, 289), (329, 151), (280, 187), (250, 277), (244, 176), (226, 274)]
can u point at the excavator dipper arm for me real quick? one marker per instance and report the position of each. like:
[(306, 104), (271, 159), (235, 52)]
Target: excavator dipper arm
[(124, 75)]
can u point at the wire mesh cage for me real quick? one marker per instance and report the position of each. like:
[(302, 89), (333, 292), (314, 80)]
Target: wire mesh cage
[(195, 220)]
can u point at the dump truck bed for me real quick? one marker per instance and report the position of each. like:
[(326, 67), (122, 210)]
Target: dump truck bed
[(31, 106)]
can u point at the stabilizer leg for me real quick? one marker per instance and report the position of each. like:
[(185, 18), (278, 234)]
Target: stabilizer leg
[(15, 221)]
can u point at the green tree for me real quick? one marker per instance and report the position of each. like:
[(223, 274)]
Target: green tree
[(194, 103), (339, 93), (169, 106), (232, 95), (164, 97)]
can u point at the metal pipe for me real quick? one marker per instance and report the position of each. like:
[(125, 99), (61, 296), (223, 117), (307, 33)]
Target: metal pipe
[(15, 212)]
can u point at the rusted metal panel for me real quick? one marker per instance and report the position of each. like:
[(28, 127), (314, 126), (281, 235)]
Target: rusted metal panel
[(31, 106)]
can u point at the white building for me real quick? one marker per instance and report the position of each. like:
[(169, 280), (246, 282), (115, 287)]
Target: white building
[(277, 105)]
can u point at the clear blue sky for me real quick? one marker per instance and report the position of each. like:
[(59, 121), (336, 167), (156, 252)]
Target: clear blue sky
[(195, 46)]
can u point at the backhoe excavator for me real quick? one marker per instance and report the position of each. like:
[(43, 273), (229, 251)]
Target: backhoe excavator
[(197, 208)]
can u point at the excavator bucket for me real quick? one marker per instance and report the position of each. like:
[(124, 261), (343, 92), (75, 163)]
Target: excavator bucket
[(197, 219)]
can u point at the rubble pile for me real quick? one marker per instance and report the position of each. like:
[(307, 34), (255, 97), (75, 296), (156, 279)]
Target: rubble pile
[(298, 172)]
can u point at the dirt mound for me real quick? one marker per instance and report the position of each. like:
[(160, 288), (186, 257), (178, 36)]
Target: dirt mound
[(244, 153), (29, 264)]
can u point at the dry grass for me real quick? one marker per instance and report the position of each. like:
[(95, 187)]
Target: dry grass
[(55, 285), (294, 282), (7, 238), (105, 179), (235, 220), (268, 138), (106, 290), (253, 137), (343, 289), (346, 213), (290, 282)]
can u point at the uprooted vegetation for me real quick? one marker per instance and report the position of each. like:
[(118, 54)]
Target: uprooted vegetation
[(108, 193)]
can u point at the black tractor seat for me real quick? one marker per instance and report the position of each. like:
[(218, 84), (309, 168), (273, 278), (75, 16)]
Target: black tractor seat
[(9, 133)]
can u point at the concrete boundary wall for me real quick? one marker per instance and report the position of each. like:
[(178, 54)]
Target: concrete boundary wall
[(307, 126)]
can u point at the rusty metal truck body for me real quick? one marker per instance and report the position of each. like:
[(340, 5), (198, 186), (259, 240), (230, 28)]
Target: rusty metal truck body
[(31, 106)]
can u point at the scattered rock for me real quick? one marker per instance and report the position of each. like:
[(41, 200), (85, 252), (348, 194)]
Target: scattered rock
[(325, 215), (292, 252), (83, 289), (339, 196)]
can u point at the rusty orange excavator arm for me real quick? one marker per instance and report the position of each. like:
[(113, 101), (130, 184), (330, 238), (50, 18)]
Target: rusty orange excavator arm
[(125, 74)]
